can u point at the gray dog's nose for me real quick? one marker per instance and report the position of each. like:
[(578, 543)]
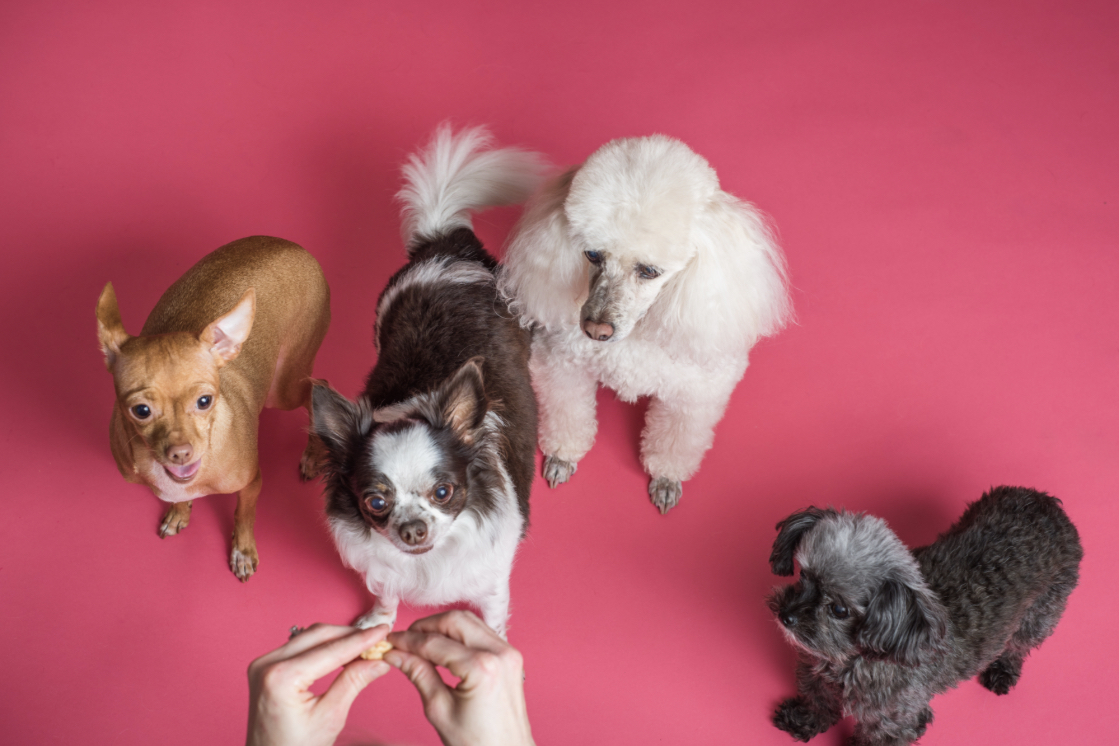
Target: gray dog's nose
[(413, 532), (787, 618), (598, 332)]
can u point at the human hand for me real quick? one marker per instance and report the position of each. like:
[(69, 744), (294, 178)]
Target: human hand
[(282, 710), (487, 706)]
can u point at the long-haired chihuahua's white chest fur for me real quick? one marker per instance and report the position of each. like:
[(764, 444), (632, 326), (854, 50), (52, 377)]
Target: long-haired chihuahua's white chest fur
[(637, 272)]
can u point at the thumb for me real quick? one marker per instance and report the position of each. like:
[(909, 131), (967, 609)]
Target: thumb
[(354, 677), (423, 676)]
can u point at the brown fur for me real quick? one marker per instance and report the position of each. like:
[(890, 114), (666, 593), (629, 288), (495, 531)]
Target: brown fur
[(194, 344)]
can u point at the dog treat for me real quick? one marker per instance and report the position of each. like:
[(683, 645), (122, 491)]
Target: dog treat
[(377, 652)]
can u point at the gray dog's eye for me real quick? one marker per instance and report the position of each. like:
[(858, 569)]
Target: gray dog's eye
[(839, 611)]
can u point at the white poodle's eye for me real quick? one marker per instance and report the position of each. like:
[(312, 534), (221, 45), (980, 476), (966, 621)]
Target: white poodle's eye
[(594, 257), (646, 272)]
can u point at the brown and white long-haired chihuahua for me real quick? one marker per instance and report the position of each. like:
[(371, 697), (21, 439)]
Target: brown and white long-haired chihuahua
[(428, 473)]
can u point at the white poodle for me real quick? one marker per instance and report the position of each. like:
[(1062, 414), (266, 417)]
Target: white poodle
[(637, 271)]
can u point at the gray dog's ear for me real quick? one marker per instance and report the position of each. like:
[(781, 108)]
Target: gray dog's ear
[(789, 533), (902, 623)]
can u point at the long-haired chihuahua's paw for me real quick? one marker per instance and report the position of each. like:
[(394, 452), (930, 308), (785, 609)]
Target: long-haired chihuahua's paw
[(175, 519), (665, 493), (798, 720), (557, 471), (243, 563), (374, 618)]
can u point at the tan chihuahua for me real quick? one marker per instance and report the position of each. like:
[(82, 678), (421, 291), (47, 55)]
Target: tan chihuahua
[(191, 387)]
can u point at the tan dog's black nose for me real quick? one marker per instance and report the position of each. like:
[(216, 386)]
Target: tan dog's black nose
[(180, 454), (598, 332), (413, 532)]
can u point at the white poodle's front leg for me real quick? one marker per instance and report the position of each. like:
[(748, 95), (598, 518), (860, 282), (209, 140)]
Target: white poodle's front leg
[(565, 394), (383, 612), (677, 434)]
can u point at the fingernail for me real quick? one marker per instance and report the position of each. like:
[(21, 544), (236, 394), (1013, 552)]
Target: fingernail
[(393, 659)]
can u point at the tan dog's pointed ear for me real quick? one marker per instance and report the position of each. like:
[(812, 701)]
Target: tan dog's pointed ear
[(110, 329), (226, 335), (464, 402)]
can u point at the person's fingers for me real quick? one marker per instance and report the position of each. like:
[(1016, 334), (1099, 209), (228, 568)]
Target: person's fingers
[(438, 649), (435, 694), (322, 659), (464, 626), (354, 677), (309, 638)]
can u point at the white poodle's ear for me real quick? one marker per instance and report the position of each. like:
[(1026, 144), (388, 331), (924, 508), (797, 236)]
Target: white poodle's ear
[(543, 276), (735, 288)]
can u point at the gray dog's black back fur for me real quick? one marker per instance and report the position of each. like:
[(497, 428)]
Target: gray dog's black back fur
[(988, 571)]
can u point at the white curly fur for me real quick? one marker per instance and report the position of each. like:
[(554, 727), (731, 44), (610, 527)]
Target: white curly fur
[(682, 338)]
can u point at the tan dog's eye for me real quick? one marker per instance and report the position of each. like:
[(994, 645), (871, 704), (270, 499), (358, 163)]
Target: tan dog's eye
[(646, 272), (141, 411), (204, 402)]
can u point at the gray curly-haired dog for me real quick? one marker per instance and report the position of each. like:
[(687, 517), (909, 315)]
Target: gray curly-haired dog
[(881, 629)]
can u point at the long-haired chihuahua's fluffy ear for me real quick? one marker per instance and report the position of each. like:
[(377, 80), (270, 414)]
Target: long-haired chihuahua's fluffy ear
[(338, 422), (735, 289), (789, 533), (904, 621), (459, 404), (543, 277)]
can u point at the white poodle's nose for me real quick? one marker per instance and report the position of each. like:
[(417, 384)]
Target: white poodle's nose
[(596, 331)]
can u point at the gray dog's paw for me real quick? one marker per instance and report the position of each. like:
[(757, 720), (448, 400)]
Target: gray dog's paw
[(665, 493), (557, 471)]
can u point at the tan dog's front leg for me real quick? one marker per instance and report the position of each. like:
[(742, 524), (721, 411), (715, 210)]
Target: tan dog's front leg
[(175, 519), (244, 559)]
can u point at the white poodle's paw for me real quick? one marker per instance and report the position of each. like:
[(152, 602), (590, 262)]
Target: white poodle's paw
[(665, 493), (374, 618), (557, 471)]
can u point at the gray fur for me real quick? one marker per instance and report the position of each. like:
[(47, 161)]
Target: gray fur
[(881, 630)]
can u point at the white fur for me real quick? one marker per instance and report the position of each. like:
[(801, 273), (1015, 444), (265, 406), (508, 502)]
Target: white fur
[(471, 560), (455, 175), (683, 338)]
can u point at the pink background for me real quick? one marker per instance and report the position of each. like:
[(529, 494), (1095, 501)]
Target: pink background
[(944, 176)]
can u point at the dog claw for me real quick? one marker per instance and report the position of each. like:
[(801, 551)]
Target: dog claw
[(175, 519), (665, 493), (557, 471), (243, 564), (372, 619)]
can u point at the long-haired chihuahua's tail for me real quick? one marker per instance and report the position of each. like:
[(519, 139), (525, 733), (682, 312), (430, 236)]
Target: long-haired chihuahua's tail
[(459, 174)]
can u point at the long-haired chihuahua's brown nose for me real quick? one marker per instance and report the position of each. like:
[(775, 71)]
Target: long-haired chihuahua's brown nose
[(180, 454), (413, 532), (597, 331)]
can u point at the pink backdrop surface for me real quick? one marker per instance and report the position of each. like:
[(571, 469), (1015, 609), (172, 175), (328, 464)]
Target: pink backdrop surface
[(945, 177)]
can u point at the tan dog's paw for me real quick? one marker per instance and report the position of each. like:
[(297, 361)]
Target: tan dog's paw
[(557, 471), (243, 562), (175, 519), (310, 463), (665, 493)]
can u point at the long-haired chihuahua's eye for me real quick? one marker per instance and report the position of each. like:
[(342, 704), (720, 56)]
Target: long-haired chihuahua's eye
[(594, 257), (376, 503), (444, 491), (839, 611), (204, 402), (646, 272), (141, 411)]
